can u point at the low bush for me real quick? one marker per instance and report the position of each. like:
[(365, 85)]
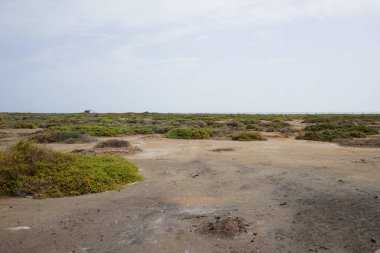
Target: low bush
[(331, 135), (279, 119), (189, 133), (29, 170), (163, 129), (142, 130), (247, 136), (330, 131), (51, 136), (113, 144), (98, 130), (24, 125)]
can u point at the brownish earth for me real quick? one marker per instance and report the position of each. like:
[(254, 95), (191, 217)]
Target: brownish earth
[(280, 195)]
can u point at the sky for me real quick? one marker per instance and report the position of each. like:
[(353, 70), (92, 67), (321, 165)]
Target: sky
[(230, 56)]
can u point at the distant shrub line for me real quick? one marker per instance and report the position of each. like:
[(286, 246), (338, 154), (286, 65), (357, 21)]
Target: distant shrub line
[(322, 127)]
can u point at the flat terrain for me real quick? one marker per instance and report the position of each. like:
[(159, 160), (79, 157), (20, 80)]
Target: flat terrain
[(280, 195)]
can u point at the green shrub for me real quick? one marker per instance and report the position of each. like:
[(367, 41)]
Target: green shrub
[(279, 119), (202, 133), (142, 130), (255, 127), (322, 126), (330, 131), (247, 136), (97, 130), (29, 170), (251, 121), (24, 125), (189, 133), (365, 129), (51, 136), (317, 136), (270, 126), (331, 135)]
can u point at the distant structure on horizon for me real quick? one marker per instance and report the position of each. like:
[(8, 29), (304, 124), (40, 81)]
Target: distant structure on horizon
[(88, 111)]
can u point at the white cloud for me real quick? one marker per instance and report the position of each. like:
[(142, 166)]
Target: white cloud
[(47, 18)]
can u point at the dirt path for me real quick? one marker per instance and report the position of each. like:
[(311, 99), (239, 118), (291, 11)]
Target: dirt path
[(281, 195)]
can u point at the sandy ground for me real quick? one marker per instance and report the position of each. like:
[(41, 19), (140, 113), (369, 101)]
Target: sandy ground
[(281, 195)]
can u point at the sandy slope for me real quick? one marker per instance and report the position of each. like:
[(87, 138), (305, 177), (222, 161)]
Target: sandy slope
[(290, 196)]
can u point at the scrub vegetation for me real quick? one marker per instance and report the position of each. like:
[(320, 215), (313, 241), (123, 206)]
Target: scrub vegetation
[(336, 127), (79, 127), (60, 136), (190, 133), (29, 170)]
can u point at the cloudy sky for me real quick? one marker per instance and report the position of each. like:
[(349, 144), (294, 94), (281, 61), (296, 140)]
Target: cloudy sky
[(190, 56)]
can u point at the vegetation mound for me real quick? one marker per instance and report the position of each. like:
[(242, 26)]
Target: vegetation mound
[(97, 129), (247, 136), (189, 133), (113, 144), (51, 136), (331, 131), (29, 170), (24, 125)]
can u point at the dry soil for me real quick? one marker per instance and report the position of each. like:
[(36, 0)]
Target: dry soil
[(280, 195)]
